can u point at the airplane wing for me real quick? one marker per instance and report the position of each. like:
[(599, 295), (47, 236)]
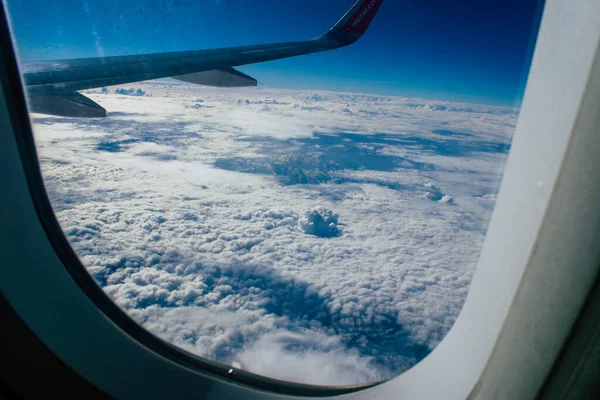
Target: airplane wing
[(52, 85)]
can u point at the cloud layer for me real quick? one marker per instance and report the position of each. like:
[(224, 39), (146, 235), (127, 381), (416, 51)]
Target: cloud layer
[(319, 237)]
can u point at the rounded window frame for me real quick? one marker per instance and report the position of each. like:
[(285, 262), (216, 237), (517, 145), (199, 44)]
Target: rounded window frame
[(529, 196)]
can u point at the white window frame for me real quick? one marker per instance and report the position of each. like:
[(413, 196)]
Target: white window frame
[(539, 260)]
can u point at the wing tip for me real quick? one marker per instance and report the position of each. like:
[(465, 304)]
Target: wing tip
[(355, 22)]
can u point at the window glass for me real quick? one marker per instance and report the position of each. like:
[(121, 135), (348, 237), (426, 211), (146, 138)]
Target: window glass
[(322, 227)]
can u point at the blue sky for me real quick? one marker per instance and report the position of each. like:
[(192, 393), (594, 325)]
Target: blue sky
[(464, 50)]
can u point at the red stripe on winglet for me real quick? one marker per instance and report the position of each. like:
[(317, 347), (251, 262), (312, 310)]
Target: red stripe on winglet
[(362, 18)]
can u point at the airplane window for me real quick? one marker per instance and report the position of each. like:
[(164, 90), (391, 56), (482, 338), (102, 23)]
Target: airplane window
[(306, 210)]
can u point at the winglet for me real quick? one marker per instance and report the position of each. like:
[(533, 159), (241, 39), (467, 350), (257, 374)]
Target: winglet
[(355, 22)]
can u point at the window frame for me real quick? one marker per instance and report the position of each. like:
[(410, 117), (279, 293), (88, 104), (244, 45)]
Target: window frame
[(498, 346)]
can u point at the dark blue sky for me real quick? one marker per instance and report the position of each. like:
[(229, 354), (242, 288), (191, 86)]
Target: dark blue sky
[(467, 50)]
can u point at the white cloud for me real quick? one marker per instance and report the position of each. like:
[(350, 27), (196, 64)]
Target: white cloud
[(320, 222), (129, 92), (313, 236), (310, 356)]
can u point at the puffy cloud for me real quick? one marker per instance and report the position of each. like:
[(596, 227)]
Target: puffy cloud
[(320, 222), (128, 92), (215, 227), (313, 356), (446, 199)]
